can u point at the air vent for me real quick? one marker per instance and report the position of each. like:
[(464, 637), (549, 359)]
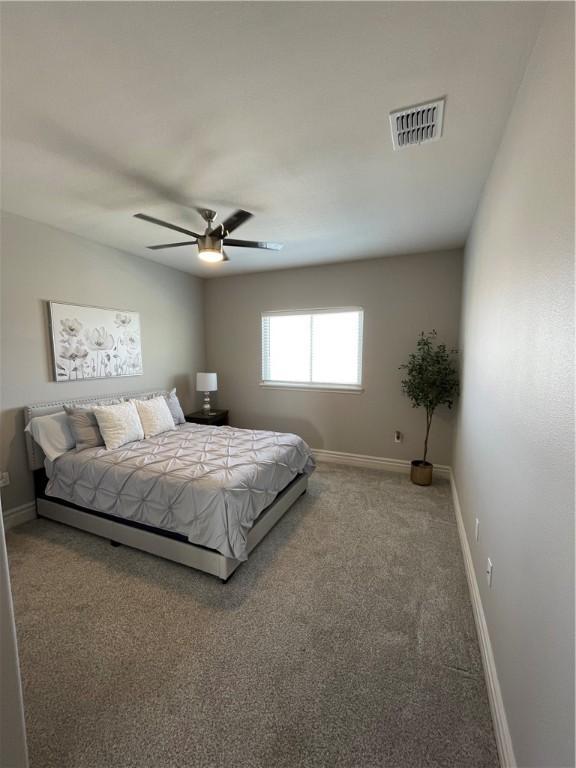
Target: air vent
[(418, 124)]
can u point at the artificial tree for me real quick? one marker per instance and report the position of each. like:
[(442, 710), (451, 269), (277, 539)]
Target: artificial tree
[(431, 380)]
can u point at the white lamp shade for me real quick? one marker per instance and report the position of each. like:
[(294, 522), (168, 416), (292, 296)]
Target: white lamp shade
[(206, 382)]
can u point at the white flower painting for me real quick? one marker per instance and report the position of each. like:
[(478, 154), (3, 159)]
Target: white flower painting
[(94, 343)]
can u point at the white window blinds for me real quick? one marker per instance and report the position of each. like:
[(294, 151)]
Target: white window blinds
[(320, 347)]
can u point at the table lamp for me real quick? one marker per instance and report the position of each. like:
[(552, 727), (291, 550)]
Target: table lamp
[(206, 382)]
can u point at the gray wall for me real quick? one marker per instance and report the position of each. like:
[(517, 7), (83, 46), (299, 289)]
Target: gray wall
[(41, 263), (514, 450), (400, 295), (13, 749)]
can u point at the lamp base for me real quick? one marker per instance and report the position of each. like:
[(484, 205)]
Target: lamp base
[(206, 410)]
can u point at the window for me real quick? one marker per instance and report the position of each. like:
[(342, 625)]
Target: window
[(313, 348)]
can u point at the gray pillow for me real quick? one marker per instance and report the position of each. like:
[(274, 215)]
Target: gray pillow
[(175, 408), (84, 427)]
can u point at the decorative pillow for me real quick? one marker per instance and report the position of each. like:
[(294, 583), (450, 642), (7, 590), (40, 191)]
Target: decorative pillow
[(154, 415), (84, 427), (175, 407), (119, 424), (52, 433)]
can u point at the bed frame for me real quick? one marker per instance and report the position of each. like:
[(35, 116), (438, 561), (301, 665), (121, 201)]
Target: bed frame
[(166, 544)]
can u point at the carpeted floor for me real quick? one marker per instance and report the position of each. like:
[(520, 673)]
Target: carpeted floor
[(346, 640)]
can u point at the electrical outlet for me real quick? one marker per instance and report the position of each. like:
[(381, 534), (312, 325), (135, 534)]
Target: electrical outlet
[(489, 572), (398, 436), (4, 479), (477, 529)]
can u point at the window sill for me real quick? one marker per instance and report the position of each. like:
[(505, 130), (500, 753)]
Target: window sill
[(352, 389)]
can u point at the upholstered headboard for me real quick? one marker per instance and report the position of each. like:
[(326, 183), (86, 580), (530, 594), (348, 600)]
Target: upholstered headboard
[(35, 453)]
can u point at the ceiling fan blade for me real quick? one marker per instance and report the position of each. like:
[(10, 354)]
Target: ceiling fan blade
[(161, 223), (254, 244), (233, 221), (171, 245)]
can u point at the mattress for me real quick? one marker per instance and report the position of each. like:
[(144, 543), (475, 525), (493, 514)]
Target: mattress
[(206, 483)]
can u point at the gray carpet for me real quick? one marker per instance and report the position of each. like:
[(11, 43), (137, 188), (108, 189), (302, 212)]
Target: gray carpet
[(347, 640)]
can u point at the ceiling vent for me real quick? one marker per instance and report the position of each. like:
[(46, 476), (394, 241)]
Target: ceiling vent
[(418, 124)]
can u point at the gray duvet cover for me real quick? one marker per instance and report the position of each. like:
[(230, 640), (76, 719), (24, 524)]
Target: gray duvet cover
[(207, 483)]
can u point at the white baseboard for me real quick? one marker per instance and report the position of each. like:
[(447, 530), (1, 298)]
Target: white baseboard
[(500, 721), (372, 462), (18, 515)]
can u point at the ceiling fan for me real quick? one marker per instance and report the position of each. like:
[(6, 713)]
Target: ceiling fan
[(210, 244)]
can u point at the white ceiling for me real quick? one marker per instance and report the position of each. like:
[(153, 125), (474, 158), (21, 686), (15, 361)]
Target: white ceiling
[(280, 108)]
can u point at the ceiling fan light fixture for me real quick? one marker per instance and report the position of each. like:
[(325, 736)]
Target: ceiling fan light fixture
[(211, 255), (210, 249)]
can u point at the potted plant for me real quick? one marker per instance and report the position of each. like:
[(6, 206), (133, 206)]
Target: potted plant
[(431, 380)]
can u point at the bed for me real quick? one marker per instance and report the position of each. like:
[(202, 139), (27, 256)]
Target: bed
[(200, 495)]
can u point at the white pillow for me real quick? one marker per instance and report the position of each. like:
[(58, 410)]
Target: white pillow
[(175, 407), (154, 415), (119, 424), (52, 433)]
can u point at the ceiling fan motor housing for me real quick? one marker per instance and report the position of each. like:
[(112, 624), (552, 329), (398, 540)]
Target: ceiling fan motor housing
[(211, 242)]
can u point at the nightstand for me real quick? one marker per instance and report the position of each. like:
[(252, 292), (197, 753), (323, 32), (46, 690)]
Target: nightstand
[(214, 418)]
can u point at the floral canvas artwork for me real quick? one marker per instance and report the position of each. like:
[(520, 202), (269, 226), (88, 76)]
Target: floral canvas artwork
[(94, 343)]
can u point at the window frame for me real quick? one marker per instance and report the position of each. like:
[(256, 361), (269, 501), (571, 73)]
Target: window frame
[(308, 386)]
